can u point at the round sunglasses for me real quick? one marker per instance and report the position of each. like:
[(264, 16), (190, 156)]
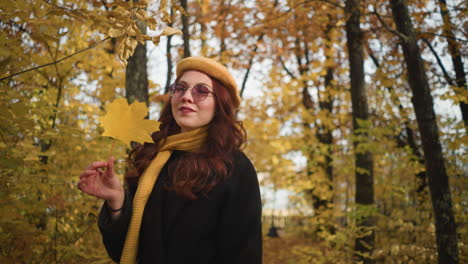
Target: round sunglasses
[(199, 92)]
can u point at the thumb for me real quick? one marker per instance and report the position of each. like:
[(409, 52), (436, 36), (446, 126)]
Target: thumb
[(110, 166)]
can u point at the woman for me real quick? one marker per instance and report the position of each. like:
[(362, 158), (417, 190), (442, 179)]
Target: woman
[(192, 195)]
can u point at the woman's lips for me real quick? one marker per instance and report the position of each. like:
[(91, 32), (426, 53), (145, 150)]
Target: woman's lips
[(186, 109)]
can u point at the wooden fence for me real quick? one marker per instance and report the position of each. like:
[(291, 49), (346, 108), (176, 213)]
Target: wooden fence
[(288, 221)]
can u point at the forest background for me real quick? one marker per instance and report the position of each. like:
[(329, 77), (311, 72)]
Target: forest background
[(339, 112)]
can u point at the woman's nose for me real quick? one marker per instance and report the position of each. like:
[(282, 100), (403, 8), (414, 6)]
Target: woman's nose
[(187, 96)]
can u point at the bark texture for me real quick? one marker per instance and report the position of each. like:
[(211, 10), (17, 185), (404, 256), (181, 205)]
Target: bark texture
[(136, 76), (454, 49), (185, 30), (169, 58), (446, 235), (363, 159)]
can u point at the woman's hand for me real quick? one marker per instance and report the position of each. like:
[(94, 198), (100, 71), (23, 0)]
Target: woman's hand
[(99, 180)]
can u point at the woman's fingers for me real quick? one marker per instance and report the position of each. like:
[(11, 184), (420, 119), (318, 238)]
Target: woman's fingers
[(83, 186), (110, 166), (87, 179), (96, 165), (88, 186), (98, 178), (88, 173)]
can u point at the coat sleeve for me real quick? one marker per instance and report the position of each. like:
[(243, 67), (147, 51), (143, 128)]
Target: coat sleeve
[(113, 232), (239, 233)]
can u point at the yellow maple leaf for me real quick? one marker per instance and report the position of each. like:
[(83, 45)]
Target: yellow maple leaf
[(127, 122)]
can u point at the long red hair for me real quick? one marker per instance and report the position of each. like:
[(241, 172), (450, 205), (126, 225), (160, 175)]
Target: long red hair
[(198, 172)]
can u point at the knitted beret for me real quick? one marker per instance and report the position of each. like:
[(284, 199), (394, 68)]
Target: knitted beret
[(213, 69)]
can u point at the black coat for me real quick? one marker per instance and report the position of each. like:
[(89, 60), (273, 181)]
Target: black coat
[(222, 227)]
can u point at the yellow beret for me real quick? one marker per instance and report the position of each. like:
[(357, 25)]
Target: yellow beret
[(213, 69)]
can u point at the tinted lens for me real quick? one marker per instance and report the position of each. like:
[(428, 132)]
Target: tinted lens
[(177, 89), (200, 92)]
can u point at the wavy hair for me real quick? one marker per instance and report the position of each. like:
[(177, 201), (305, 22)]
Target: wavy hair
[(198, 172)]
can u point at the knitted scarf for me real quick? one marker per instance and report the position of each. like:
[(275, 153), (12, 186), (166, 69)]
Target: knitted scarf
[(189, 141)]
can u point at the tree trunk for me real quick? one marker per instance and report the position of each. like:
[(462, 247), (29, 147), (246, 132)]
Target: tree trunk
[(446, 235), (455, 53), (363, 159), (136, 76), (185, 30), (421, 187), (325, 135), (169, 59), (224, 9)]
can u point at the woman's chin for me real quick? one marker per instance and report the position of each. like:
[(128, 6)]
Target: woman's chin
[(187, 128)]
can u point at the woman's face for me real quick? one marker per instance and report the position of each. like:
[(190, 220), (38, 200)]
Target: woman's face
[(188, 112)]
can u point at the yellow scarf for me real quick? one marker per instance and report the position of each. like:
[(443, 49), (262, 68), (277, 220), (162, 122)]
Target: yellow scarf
[(189, 141)]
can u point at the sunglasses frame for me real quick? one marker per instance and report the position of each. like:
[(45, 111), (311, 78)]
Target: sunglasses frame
[(193, 91)]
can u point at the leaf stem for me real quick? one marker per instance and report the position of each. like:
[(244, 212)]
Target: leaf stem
[(112, 148)]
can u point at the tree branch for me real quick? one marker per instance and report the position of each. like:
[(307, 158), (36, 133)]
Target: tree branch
[(332, 3), (439, 61), (298, 51), (246, 76), (402, 36), (306, 53), (66, 8), (18, 26), (105, 5), (442, 35), (260, 38), (371, 55), (54, 62), (286, 68), (266, 21)]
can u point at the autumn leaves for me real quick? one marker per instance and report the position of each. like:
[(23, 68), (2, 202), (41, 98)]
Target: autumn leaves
[(129, 19)]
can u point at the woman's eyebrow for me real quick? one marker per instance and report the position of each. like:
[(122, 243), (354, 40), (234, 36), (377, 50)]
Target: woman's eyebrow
[(202, 83)]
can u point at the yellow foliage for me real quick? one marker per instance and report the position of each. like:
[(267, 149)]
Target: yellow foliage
[(49, 128)]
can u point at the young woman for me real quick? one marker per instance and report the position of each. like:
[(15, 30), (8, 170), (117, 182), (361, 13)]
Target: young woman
[(192, 195)]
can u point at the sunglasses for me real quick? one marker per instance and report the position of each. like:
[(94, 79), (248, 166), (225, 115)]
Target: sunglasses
[(199, 91)]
